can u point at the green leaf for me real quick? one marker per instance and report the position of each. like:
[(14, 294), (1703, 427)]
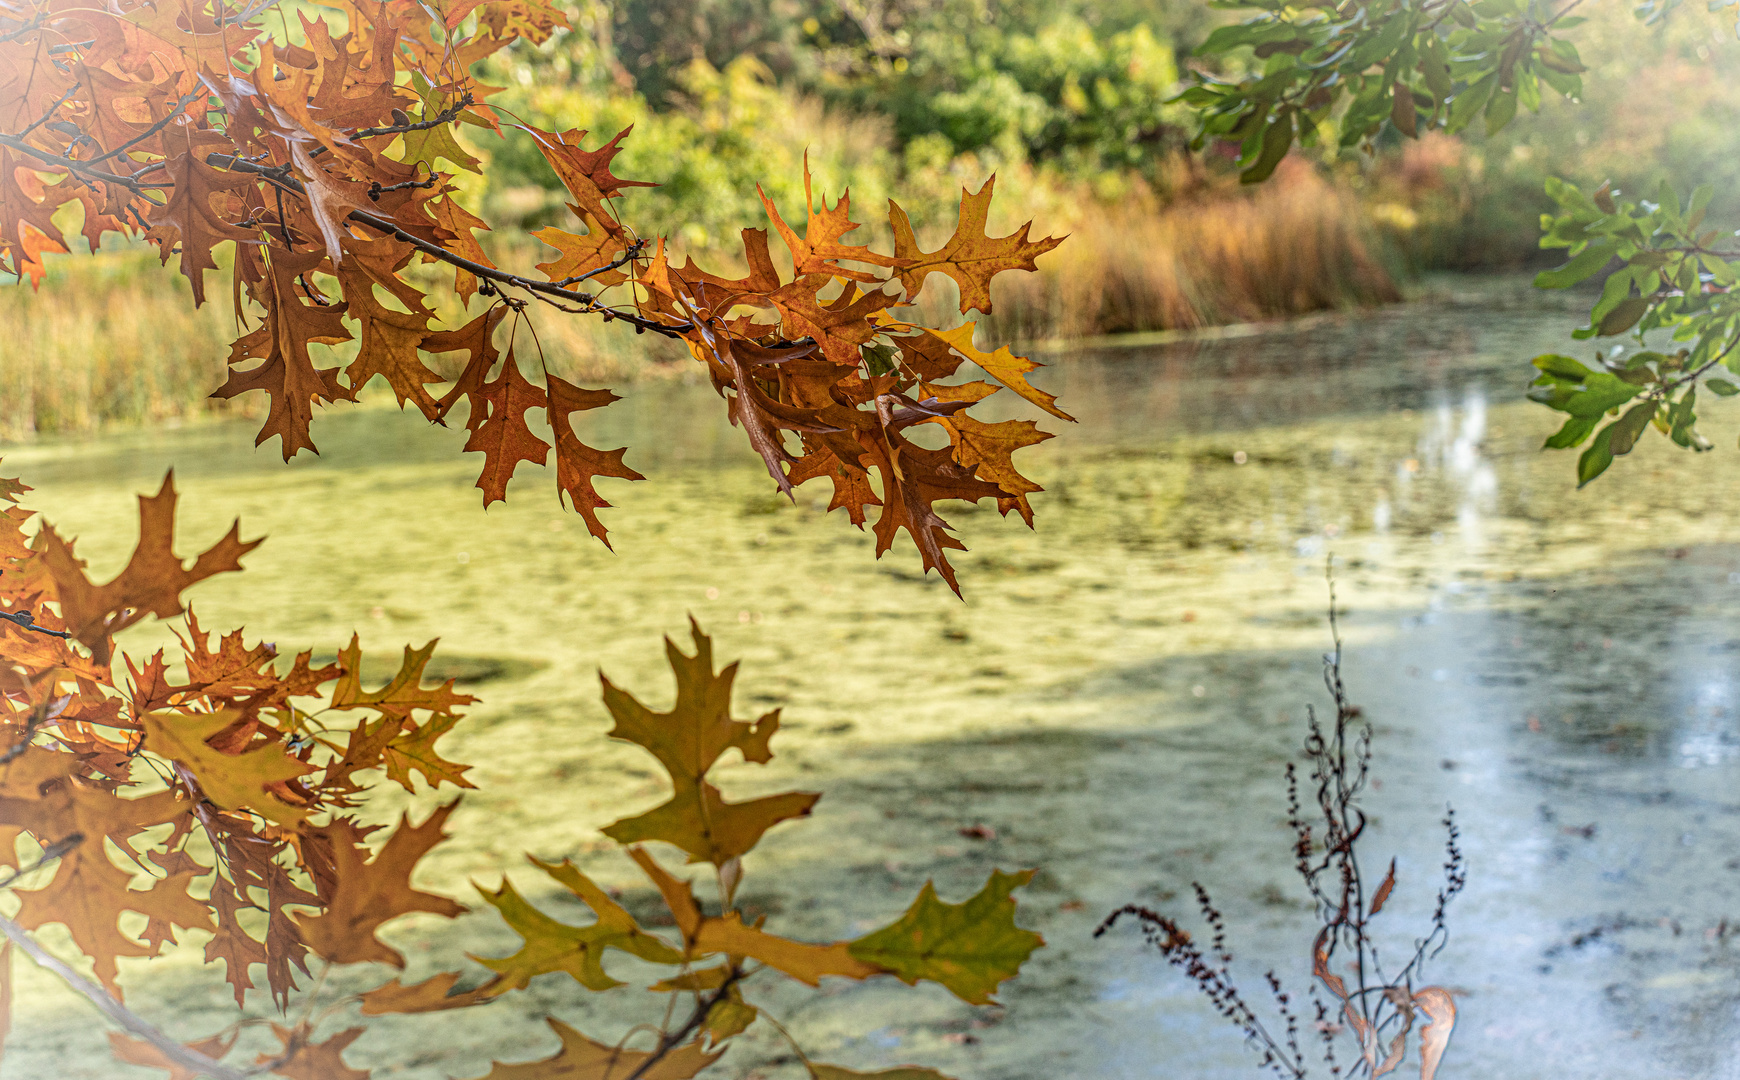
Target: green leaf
[(878, 358), (1563, 367), (1722, 387), (1624, 432), (1500, 111), (1277, 140), (1470, 101), (1582, 266), (1576, 429), (969, 948), (1595, 460), (1623, 316)]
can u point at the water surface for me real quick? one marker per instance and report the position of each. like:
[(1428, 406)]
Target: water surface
[(1115, 699)]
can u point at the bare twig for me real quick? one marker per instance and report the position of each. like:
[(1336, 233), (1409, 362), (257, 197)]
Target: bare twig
[(703, 1008)]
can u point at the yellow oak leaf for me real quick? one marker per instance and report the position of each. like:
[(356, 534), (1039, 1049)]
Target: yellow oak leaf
[(1002, 365), (971, 257), (556, 946), (232, 781)]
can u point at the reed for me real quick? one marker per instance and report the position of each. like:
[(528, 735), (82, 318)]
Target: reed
[(111, 339), (1210, 255)]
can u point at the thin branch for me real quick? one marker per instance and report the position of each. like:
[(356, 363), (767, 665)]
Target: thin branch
[(52, 109), (27, 620), (186, 100), (588, 303), (174, 1051), (13, 142), (703, 1008)]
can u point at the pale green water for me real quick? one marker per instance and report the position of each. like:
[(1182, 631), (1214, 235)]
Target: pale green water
[(1115, 697)]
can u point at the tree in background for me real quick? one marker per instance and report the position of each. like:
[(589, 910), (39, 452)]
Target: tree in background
[(1351, 76)]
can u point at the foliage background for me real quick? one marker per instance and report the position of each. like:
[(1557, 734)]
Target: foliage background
[(1066, 102)]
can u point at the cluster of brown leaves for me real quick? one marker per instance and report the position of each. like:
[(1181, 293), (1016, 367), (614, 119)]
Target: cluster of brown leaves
[(249, 765), (226, 785), (193, 126)]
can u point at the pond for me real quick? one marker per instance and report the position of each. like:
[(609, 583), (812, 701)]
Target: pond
[(1113, 702)]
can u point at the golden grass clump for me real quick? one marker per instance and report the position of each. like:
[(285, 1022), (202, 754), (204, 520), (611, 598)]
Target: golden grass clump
[(111, 338), (1211, 255)]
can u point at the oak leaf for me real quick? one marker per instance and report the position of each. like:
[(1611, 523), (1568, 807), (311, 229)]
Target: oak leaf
[(188, 217), (970, 256), (414, 751), (577, 463), (286, 370), (387, 340), (582, 255), (556, 946), (687, 741), (151, 583), (403, 694), (586, 173), (1002, 365), (582, 1059), (434, 994), (250, 779), (502, 435), (969, 947), (300, 1058), (139, 1052), (819, 250), (368, 894), (986, 448), (705, 935)]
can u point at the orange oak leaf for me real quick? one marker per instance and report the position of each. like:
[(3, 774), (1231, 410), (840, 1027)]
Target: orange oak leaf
[(150, 584), (586, 173), (368, 894), (583, 255), (88, 892), (970, 256), (434, 994), (582, 1059), (286, 370), (502, 436), (188, 217), (986, 448), (139, 1052), (477, 339), (299, 1058), (819, 250), (687, 741), (387, 339), (577, 463), (252, 779), (458, 223), (914, 479), (705, 935)]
